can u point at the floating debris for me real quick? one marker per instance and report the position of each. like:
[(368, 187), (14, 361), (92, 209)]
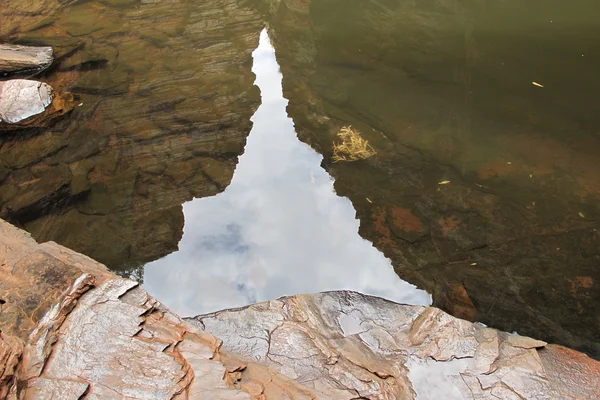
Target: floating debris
[(368, 199), (352, 146), (473, 264), (444, 183), (508, 162), (79, 105), (581, 215), (537, 84)]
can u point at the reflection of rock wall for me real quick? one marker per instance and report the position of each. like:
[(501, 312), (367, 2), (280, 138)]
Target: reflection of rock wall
[(443, 92), (165, 95), (73, 330)]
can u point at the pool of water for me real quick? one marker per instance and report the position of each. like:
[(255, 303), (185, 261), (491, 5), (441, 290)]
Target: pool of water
[(175, 169), (278, 229)]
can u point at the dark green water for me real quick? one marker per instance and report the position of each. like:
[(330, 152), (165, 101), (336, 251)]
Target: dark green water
[(500, 98)]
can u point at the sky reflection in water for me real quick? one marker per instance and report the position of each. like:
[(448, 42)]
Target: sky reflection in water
[(278, 229)]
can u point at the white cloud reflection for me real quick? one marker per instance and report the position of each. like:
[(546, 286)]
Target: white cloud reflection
[(278, 229)]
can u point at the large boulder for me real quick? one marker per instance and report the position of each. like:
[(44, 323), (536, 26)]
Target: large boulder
[(70, 329)]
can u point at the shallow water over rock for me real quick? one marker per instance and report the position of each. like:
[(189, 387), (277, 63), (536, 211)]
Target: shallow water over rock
[(484, 117)]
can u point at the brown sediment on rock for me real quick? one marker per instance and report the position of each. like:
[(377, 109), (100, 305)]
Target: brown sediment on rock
[(405, 220), (91, 334), (453, 297)]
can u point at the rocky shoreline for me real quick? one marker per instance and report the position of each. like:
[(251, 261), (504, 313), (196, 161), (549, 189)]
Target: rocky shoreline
[(72, 330)]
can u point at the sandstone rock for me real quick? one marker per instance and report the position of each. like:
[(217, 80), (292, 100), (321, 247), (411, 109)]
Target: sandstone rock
[(90, 334), (11, 350), (22, 59), (344, 344)]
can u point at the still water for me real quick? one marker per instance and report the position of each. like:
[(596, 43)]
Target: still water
[(484, 190), (278, 229)]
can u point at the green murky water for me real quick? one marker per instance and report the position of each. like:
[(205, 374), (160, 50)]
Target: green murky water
[(500, 98)]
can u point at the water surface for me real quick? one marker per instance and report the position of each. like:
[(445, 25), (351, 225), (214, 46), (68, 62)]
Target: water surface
[(278, 229), (443, 90)]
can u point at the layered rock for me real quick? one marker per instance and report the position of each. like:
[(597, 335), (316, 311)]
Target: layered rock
[(443, 93), (345, 345), (24, 59), (165, 94), (70, 329)]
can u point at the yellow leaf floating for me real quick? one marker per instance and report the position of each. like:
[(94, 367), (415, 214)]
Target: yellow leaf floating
[(537, 84), (581, 215), (444, 183)]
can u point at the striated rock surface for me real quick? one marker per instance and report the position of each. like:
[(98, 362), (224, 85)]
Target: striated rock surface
[(70, 329), (164, 94), (24, 59)]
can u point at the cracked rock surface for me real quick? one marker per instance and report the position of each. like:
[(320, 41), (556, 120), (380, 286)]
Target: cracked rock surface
[(23, 98), (70, 329), (349, 345)]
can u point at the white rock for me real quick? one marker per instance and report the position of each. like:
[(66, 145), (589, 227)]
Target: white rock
[(23, 98)]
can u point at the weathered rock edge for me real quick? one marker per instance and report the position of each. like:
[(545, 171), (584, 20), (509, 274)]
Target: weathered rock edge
[(73, 330), (24, 59)]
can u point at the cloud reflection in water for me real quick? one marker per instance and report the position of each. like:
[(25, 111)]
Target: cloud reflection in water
[(278, 229)]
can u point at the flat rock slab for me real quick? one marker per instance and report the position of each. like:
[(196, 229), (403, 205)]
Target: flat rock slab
[(344, 345), (23, 98), (23, 59)]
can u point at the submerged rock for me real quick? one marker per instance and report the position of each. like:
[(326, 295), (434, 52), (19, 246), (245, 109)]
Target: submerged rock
[(27, 103), (164, 99), (73, 330), (477, 187), (23, 98)]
